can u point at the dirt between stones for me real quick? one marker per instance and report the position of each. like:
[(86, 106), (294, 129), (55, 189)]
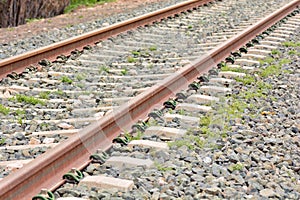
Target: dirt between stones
[(84, 14)]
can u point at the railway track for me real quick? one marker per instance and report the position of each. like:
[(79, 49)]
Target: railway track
[(92, 91), (108, 87)]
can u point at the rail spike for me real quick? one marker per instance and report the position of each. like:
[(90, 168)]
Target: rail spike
[(44, 195), (74, 176)]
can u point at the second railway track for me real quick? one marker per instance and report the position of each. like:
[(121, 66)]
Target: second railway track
[(112, 83)]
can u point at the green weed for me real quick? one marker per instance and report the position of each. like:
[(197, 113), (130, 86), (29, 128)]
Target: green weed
[(20, 112), (4, 110), (136, 53), (153, 48), (74, 4), (284, 61), (275, 52), (162, 168), (286, 71), (233, 69), (66, 79), (236, 167), (180, 143), (44, 95), (263, 85), (59, 92), (291, 44), (27, 99), (181, 112), (246, 80), (271, 70), (130, 137), (252, 94), (104, 69), (205, 121), (267, 60), (80, 77), (2, 141), (130, 59), (30, 20), (124, 72), (293, 52)]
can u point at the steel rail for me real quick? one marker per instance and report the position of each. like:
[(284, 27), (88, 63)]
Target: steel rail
[(20, 62), (48, 169)]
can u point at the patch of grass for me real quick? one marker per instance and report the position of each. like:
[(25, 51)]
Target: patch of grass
[(197, 141), (20, 116), (80, 77), (44, 95), (180, 143), (292, 52), (291, 44), (74, 4), (236, 167), (235, 108), (246, 80), (181, 112), (259, 92), (270, 70), (233, 69), (286, 71), (137, 136), (162, 168), (44, 124), (207, 132), (136, 53), (20, 120), (124, 71), (104, 69), (59, 92), (263, 85), (190, 26), (30, 20), (131, 59), (4, 110), (66, 79), (2, 141), (250, 95), (284, 61), (153, 48), (205, 121), (275, 52), (267, 60), (20, 112), (27, 99), (238, 106)]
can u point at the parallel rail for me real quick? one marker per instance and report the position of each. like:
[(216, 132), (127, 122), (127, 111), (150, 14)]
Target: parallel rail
[(20, 62), (47, 170)]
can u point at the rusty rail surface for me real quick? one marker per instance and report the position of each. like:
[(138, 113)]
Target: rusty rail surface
[(20, 62), (47, 170)]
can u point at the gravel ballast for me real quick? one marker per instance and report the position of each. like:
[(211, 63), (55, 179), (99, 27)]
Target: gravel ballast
[(251, 153), (26, 118), (58, 34)]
